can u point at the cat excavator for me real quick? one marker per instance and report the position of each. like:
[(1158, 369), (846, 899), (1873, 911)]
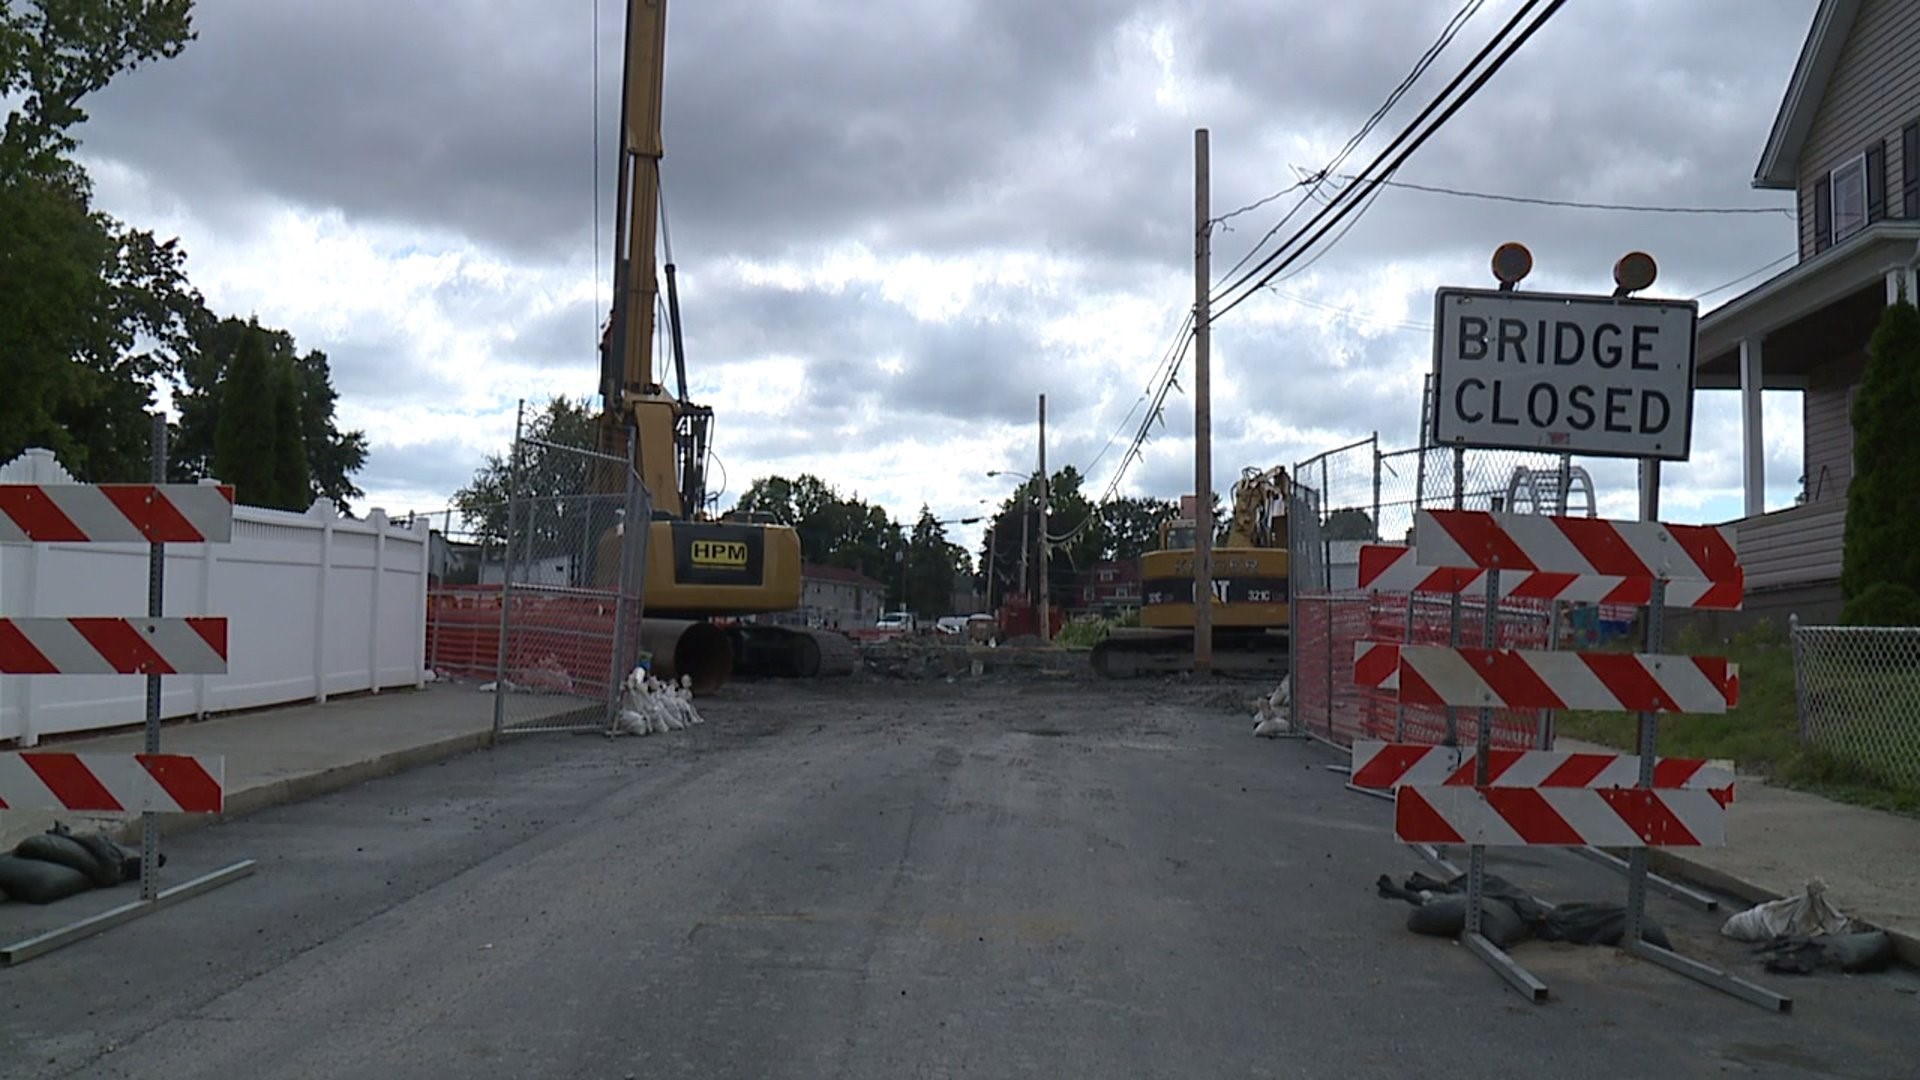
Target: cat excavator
[(1249, 608), (698, 569)]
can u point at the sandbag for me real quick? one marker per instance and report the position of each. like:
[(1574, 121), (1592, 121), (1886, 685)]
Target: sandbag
[(1596, 924), (1446, 916), (1805, 915), (37, 882), (66, 850), (1853, 953), (111, 857)]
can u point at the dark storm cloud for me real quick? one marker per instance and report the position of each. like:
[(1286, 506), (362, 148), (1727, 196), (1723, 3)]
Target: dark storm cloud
[(929, 125), (961, 130)]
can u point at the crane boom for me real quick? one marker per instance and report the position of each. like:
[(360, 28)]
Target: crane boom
[(626, 367)]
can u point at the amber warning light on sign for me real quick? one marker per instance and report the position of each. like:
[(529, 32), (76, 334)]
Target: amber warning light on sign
[(1604, 376)]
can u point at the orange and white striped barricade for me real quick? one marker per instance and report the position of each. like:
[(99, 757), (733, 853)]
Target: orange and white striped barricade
[(150, 783)]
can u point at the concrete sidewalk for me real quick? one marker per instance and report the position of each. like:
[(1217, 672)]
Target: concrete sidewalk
[(1778, 838), (282, 755)]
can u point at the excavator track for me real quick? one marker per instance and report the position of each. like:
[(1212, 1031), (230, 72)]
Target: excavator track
[(793, 652), (1132, 653)]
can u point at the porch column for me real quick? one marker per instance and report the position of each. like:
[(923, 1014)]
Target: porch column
[(1901, 280), (1753, 443)]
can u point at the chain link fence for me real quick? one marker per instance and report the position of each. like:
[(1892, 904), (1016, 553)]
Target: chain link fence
[(1359, 494), (538, 599), (1857, 689)]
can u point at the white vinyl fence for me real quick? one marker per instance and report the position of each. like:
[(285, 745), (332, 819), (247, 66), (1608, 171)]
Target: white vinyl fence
[(316, 604)]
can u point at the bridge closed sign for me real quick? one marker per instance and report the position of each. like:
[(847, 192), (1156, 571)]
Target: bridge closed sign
[(1596, 375)]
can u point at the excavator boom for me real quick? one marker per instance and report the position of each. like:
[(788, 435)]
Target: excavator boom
[(697, 569)]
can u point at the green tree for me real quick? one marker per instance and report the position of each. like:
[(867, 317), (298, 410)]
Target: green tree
[(834, 530), (1132, 525), (92, 313), (1349, 523), (932, 565), (550, 476), (292, 483), (332, 456), (771, 495), (244, 445), (1077, 533), (1883, 511)]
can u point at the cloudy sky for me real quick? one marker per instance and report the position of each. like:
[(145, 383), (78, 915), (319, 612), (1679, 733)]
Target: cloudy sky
[(898, 223)]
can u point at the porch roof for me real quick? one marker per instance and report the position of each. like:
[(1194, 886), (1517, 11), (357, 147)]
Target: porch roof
[(1823, 308)]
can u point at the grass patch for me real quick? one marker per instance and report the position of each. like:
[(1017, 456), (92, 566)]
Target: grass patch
[(1761, 734), (1083, 633)]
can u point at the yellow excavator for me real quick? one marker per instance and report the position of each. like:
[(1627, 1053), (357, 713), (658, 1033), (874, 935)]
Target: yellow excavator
[(698, 569), (1249, 608)]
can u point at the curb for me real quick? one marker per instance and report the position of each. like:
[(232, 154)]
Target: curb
[(309, 785), (1906, 946)]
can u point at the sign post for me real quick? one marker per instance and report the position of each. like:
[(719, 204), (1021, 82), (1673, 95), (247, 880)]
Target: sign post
[(1607, 376)]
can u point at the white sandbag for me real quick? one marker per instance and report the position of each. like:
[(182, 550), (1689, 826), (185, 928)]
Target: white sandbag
[(1805, 915)]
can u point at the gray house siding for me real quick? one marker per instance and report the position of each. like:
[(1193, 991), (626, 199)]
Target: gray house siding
[(1796, 546), (1874, 94), (1826, 417)]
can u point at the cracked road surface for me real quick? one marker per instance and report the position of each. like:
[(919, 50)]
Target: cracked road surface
[(884, 880)]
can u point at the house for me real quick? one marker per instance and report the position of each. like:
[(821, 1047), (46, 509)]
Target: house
[(833, 597), (1109, 587), (1847, 141)]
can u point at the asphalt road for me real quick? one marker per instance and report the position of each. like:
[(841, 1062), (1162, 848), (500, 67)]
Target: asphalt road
[(887, 881)]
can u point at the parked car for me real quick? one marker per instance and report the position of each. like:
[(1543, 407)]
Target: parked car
[(951, 624), (901, 621)]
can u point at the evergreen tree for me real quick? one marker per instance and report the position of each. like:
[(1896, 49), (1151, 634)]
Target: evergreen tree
[(292, 483), (244, 445), (333, 456), (1883, 501)]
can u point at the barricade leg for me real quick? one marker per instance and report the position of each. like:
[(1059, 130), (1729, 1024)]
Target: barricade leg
[(40, 944)]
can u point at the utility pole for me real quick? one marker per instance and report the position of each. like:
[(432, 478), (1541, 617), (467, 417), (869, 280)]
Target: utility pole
[(1202, 416), (1046, 624)]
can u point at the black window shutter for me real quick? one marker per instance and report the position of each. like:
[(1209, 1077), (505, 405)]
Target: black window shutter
[(1823, 213), (1877, 181), (1910, 171)]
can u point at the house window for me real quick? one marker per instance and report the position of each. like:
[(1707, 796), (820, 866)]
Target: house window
[(1849, 198), (1910, 170)]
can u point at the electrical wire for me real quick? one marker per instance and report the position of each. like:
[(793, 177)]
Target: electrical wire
[(1312, 181), (1505, 53), (1578, 205), (1165, 358), (1331, 244), (1486, 50), (1748, 276)]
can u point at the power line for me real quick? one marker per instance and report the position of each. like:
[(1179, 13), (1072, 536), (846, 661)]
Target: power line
[(1748, 276), (1341, 235), (1506, 53), (1485, 51), (1312, 181), (1577, 205)]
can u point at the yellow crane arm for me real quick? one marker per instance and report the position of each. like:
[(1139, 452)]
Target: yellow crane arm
[(626, 365)]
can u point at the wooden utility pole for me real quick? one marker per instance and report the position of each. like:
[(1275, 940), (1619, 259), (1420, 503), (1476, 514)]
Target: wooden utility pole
[(1202, 415), (1046, 623)]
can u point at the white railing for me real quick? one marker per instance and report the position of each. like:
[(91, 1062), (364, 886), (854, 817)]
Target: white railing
[(316, 604)]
